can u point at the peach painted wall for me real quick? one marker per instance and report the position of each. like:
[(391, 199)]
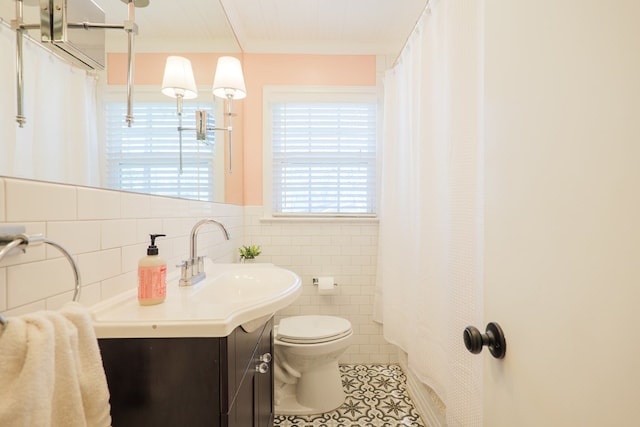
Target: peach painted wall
[(149, 68), (244, 185), (295, 70)]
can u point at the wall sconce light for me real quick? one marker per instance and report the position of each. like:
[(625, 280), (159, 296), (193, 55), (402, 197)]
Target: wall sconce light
[(178, 82), (228, 83)]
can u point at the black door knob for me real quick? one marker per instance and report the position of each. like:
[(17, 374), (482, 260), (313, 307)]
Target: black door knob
[(492, 338)]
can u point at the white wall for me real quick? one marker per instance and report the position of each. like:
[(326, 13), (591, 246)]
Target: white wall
[(345, 249), (108, 231)]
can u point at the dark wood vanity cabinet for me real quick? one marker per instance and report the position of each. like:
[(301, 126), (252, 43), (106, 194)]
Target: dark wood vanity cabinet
[(191, 381), (253, 404)]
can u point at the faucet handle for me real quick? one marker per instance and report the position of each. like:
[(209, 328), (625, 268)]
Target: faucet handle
[(185, 276), (200, 261), (184, 269)]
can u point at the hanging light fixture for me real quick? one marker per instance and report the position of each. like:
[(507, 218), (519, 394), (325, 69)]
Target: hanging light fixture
[(228, 83)]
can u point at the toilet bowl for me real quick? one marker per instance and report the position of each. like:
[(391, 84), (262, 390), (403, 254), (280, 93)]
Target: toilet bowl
[(307, 377)]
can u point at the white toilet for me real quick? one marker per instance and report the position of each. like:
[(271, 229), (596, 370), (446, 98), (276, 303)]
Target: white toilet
[(307, 377)]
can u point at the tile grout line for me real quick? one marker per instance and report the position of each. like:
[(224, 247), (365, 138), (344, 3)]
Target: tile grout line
[(376, 396)]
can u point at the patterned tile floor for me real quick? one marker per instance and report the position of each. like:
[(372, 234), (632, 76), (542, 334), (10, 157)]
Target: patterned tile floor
[(376, 397)]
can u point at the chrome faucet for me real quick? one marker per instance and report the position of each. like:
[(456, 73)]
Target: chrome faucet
[(192, 270)]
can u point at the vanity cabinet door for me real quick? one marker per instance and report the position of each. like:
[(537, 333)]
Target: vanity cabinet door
[(242, 413), (263, 389), (238, 353), (163, 381), (253, 402), (190, 382)]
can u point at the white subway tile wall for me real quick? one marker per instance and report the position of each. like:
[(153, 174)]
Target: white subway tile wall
[(343, 248), (108, 231)]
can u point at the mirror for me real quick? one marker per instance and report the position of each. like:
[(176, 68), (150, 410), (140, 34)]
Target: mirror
[(164, 27), (173, 26)]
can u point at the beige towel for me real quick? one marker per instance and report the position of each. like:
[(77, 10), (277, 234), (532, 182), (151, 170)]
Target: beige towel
[(51, 372)]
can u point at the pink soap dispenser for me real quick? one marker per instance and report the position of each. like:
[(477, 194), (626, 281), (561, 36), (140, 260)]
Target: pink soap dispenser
[(152, 275)]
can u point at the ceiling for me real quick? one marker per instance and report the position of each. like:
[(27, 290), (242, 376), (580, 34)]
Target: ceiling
[(269, 26)]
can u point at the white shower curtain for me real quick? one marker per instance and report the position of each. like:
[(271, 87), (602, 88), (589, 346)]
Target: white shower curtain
[(430, 241), (59, 141)]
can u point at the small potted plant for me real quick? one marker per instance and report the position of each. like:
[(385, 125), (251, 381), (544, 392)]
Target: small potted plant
[(249, 252)]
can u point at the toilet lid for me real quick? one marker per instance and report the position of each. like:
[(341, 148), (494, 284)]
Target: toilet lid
[(312, 329)]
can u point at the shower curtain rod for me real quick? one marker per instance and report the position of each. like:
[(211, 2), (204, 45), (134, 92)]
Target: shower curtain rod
[(413, 29)]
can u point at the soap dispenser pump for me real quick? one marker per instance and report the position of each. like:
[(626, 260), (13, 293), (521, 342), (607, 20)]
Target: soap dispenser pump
[(152, 275)]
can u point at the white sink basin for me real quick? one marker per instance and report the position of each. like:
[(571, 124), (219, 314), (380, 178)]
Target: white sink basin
[(231, 295)]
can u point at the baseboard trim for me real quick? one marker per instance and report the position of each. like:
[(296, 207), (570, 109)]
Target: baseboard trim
[(429, 410)]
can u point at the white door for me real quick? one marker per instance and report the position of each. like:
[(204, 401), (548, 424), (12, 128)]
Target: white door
[(562, 219)]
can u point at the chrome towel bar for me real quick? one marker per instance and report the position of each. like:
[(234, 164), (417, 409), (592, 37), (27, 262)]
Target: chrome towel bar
[(22, 241)]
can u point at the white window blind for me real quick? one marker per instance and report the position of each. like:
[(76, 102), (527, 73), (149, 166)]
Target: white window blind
[(145, 157), (324, 158)]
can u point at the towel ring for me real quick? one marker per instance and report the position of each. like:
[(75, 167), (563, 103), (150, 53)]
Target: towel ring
[(22, 241)]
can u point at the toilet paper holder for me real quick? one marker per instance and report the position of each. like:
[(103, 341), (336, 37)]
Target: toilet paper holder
[(316, 281)]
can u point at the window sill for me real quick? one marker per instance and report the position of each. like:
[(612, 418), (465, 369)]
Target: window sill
[(321, 219)]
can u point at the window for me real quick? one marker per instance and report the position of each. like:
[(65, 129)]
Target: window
[(145, 157), (323, 154)]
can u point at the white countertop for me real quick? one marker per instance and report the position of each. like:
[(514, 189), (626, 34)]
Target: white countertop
[(232, 295)]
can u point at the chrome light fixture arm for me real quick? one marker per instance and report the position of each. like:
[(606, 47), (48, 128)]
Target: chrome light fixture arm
[(132, 29), (180, 128), (178, 82), (230, 129), (20, 27), (201, 129)]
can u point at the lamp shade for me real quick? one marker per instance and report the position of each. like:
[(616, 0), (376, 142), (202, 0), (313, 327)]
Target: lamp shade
[(178, 78), (229, 81)]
